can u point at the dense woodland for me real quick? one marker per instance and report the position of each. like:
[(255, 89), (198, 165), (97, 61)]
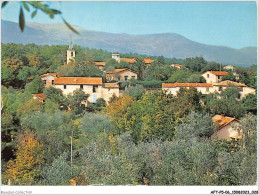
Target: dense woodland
[(144, 137)]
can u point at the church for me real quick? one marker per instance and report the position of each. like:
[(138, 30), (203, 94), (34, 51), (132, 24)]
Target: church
[(93, 86)]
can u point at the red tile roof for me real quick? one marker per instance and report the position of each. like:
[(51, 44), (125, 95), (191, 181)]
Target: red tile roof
[(172, 85), (129, 60), (148, 60), (119, 70), (111, 85), (100, 63), (221, 121), (219, 73), (230, 83), (78, 80), (52, 74), (39, 95)]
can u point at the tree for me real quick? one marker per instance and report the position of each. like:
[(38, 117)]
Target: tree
[(195, 64), (139, 66), (100, 104), (94, 123), (53, 130), (54, 95), (196, 125), (250, 103), (58, 173), (30, 106), (110, 64), (211, 66), (117, 110), (77, 99), (225, 103), (25, 169), (35, 86), (135, 91), (50, 107), (6, 76), (186, 100), (13, 64), (180, 76), (79, 70), (27, 73)]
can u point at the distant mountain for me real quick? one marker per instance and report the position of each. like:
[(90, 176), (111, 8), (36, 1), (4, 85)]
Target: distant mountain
[(166, 44)]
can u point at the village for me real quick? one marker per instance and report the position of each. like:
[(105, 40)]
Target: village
[(227, 127)]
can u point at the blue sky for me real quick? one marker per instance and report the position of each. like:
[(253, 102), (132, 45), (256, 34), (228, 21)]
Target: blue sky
[(226, 23)]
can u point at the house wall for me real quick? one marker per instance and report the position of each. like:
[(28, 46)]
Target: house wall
[(127, 73), (212, 78), (88, 89), (107, 93), (226, 132), (111, 77), (48, 80), (203, 90), (246, 91)]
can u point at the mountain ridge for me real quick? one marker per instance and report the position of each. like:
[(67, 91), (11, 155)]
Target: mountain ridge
[(171, 45)]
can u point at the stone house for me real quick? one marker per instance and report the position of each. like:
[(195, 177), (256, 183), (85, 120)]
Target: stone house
[(226, 128), (214, 76), (173, 88), (123, 74), (48, 79)]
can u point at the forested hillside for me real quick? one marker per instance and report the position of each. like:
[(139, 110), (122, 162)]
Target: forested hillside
[(143, 137)]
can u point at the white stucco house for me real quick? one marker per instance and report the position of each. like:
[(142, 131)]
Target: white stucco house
[(173, 88), (214, 76)]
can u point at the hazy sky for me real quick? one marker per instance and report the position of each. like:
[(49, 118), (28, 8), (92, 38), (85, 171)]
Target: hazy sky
[(231, 23)]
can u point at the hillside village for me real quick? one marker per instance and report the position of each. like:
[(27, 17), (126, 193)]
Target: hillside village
[(96, 88), (125, 119)]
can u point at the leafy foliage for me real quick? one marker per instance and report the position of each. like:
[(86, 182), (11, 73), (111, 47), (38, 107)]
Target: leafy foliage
[(25, 169)]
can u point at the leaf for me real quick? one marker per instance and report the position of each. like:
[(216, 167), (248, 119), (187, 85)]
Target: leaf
[(21, 20), (4, 4), (54, 11), (33, 13), (25, 6), (69, 26)]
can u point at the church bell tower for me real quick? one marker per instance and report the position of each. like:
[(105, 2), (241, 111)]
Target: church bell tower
[(71, 53)]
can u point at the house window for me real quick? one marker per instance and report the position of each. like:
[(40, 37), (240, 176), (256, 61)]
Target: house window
[(52, 82), (220, 88), (218, 77), (240, 88), (81, 86), (208, 76), (125, 78), (95, 87), (72, 54), (45, 82), (119, 78), (133, 77), (207, 89), (65, 86)]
